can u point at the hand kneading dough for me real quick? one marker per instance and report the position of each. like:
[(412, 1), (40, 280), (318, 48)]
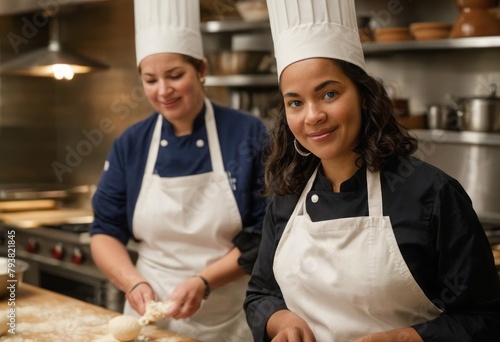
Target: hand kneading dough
[(124, 328), (154, 312)]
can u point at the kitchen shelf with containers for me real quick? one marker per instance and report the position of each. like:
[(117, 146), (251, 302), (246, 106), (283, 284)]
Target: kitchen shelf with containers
[(249, 62), (233, 25), (370, 48), (426, 36), (477, 26)]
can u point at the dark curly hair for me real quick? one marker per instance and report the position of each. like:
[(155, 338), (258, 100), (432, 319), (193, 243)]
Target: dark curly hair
[(381, 139)]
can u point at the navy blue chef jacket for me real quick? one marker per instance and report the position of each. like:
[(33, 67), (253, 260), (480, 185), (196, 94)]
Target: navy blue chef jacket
[(242, 138)]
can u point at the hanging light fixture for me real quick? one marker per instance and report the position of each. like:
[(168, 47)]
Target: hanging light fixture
[(53, 60)]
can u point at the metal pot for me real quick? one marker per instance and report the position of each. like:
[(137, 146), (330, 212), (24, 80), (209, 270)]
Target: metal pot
[(440, 116), (480, 114), (224, 63)]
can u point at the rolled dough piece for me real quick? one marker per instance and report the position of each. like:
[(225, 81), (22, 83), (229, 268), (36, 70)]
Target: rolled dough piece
[(124, 328), (154, 312)]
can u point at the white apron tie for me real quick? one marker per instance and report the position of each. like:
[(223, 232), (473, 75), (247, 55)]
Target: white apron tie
[(184, 224), (346, 277)]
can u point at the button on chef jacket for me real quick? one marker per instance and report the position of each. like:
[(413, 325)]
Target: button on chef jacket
[(437, 232), (241, 139)]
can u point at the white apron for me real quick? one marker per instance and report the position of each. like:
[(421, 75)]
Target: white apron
[(347, 278), (185, 224)]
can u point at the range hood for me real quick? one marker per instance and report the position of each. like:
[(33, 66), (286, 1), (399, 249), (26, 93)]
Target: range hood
[(13, 7), (54, 60)]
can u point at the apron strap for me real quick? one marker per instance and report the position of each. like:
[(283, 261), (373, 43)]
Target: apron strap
[(213, 138), (153, 149), (374, 189)]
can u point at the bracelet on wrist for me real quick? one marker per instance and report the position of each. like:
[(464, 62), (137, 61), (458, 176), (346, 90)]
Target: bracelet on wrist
[(208, 290), (137, 285)]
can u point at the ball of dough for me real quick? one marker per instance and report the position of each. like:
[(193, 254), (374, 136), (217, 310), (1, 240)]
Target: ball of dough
[(124, 328)]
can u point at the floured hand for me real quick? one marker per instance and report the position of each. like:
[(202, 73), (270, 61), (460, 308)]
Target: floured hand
[(154, 312)]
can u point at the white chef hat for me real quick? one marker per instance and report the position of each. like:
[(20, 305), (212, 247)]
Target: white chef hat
[(167, 26), (314, 28)]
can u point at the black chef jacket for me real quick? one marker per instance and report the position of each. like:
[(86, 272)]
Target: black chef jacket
[(437, 231)]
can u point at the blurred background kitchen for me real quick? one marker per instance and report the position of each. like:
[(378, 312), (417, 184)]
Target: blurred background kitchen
[(439, 60)]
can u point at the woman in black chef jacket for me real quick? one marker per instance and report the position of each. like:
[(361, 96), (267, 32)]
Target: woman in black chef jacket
[(361, 241), (186, 184)]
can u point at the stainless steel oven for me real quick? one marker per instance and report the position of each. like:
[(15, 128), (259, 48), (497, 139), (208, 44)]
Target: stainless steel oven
[(50, 228), (60, 261)]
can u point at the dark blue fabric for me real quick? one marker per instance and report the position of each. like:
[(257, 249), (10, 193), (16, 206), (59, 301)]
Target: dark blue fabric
[(241, 137)]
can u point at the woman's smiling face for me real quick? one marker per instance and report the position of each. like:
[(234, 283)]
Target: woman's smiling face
[(323, 108), (173, 86)]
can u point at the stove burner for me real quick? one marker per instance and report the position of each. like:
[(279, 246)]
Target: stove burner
[(71, 227)]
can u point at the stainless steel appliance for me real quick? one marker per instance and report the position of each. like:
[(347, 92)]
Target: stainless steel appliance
[(51, 233), (473, 158), (60, 260)]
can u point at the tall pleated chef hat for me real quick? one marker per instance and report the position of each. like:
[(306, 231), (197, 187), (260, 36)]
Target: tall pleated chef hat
[(167, 26), (314, 28)]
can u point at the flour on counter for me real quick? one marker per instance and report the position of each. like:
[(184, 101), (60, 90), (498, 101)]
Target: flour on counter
[(77, 325), (45, 321)]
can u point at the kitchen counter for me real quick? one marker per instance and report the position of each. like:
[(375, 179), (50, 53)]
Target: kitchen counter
[(45, 316)]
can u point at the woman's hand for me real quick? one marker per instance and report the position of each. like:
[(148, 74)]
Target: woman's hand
[(113, 259), (186, 298), (138, 295), (286, 326), (399, 335)]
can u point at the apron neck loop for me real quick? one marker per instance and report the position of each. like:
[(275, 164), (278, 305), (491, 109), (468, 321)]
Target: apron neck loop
[(374, 190), (153, 148), (212, 136)]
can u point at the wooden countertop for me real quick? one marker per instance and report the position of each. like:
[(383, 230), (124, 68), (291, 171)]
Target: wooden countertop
[(46, 316)]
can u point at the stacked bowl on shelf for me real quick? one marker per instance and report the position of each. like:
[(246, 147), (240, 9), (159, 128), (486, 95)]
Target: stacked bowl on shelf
[(430, 30), (477, 18), (392, 34), (416, 31)]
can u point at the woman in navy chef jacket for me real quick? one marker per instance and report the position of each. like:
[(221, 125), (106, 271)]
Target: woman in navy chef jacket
[(186, 183), (361, 241)]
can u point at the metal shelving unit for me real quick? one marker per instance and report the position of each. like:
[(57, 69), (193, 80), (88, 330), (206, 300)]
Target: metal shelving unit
[(463, 137), (373, 48), (242, 81), (370, 49), (233, 26)]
